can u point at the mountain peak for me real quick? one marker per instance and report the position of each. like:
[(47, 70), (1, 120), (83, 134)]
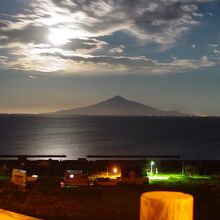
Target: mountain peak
[(118, 105), (118, 97)]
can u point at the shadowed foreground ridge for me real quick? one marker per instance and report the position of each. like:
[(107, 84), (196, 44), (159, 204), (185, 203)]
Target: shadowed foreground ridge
[(119, 106)]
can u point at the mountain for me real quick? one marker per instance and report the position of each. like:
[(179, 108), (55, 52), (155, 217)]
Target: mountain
[(118, 106)]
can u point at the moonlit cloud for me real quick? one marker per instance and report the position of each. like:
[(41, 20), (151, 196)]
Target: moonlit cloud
[(33, 77), (55, 35), (216, 51), (119, 49), (122, 64)]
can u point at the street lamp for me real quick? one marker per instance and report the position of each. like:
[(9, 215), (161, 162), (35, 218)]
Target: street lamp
[(151, 167), (115, 170)]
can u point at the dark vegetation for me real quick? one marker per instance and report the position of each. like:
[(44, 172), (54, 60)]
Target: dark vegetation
[(45, 199)]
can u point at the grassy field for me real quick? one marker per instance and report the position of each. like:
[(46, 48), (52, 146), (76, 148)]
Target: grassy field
[(45, 199), (173, 177)]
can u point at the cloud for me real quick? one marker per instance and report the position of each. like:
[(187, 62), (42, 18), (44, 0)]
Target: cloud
[(28, 34), (3, 60), (46, 59), (210, 14), (158, 21), (85, 45), (119, 49), (213, 45), (33, 77), (2, 25), (216, 51), (174, 57), (84, 24), (128, 65)]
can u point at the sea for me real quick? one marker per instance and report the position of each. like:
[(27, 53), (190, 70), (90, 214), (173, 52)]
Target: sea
[(195, 138)]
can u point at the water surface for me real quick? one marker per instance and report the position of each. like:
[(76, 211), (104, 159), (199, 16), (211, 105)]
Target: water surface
[(191, 138)]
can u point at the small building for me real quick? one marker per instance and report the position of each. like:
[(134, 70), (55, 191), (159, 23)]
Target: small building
[(133, 175), (75, 177), (19, 177), (106, 182), (132, 171)]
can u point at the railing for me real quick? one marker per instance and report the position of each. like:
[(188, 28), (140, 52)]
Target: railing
[(136, 156), (24, 157)]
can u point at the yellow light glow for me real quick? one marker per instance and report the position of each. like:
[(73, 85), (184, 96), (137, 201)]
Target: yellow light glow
[(6, 215), (172, 205), (115, 170)]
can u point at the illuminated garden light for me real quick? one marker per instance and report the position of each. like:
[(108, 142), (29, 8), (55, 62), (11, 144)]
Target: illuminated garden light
[(35, 176), (115, 170), (151, 167)]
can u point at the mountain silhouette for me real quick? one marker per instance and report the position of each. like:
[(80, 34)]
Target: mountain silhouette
[(118, 106)]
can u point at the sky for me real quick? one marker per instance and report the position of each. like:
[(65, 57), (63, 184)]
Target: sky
[(60, 54)]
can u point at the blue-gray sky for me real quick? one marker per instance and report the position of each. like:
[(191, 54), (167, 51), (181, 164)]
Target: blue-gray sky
[(59, 54)]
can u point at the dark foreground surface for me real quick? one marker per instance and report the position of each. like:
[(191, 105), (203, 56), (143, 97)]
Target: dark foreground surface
[(45, 199)]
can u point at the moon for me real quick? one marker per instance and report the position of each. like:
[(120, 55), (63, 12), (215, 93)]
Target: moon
[(58, 37)]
